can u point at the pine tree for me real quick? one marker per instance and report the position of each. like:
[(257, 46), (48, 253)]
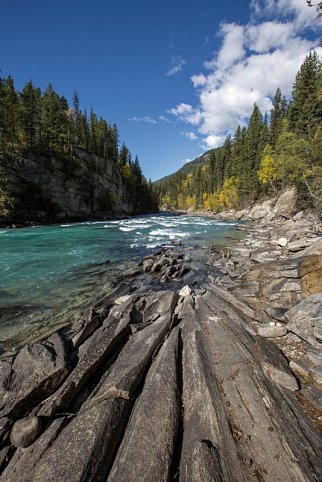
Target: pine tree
[(76, 121), (249, 181), (278, 113), (30, 100), (10, 113), (54, 121), (305, 112)]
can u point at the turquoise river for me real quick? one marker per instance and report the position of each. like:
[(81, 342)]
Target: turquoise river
[(49, 274)]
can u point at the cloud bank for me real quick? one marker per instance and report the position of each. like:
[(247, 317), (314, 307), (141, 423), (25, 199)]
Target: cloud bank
[(252, 61)]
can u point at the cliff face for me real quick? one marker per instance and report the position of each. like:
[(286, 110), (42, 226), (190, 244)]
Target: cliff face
[(46, 188)]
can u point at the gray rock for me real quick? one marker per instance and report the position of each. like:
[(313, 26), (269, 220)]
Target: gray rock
[(304, 319), (36, 372), (285, 204), (87, 329), (25, 431), (5, 424), (272, 331), (185, 291), (23, 462), (203, 463), (298, 245), (277, 314), (205, 418), (298, 216), (146, 450), (147, 265), (274, 364), (97, 352), (282, 242), (122, 299), (314, 248), (301, 367), (317, 376), (4, 452), (314, 355)]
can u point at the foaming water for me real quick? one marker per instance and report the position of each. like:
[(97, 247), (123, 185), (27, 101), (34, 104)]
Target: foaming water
[(50, 273)]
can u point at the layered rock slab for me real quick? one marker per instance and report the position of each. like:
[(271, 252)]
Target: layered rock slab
[(84, 449)]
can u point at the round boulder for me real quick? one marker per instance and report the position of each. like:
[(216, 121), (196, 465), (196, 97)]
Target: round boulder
[(25, 431)]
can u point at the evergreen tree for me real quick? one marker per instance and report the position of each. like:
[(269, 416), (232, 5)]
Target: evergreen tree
[(84, 131), (30, 106), (54, 121), (10, 113), (305, 111), (278, 113), (76, 121)]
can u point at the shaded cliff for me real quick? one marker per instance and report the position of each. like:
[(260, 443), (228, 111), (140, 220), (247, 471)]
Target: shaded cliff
[(49, 188)]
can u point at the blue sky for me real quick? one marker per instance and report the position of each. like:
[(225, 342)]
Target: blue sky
[(175, 75)]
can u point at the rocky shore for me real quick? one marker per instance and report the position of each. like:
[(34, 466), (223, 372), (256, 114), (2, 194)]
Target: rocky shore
[(187, 371)]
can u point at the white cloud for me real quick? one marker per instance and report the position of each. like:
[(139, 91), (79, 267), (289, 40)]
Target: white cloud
[(181, 109), (199, 80), (296, 10), (253, 60), (165, 119), (232, 48), (191, 135), (187, 113), (213, 141), (176, 66), (269, 35), (146, 119)]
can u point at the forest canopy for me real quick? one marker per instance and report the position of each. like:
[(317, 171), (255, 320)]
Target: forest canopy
[(275, 150), (32, 121)]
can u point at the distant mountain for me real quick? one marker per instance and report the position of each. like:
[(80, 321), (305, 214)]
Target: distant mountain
[(188, 167)]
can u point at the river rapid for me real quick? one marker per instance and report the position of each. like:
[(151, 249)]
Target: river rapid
[(49, 274)]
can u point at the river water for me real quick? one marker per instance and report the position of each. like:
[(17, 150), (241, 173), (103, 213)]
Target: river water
[(49, 274)]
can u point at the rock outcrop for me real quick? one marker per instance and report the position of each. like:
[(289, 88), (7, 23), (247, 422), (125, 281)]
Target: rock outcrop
[(46, 188), (197, 378)]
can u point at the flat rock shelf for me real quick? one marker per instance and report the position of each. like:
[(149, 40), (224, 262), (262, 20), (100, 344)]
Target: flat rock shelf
[(176, 381)]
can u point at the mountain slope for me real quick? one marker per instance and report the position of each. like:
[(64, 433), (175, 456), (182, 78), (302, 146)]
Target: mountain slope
[(187, 168)]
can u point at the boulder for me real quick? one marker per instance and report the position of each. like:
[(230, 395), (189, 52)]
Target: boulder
[(305, 319), (260, 211), (25, 431), (285, 204)]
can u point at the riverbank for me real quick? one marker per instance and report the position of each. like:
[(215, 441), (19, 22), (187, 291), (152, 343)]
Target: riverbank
[(193, 366)]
